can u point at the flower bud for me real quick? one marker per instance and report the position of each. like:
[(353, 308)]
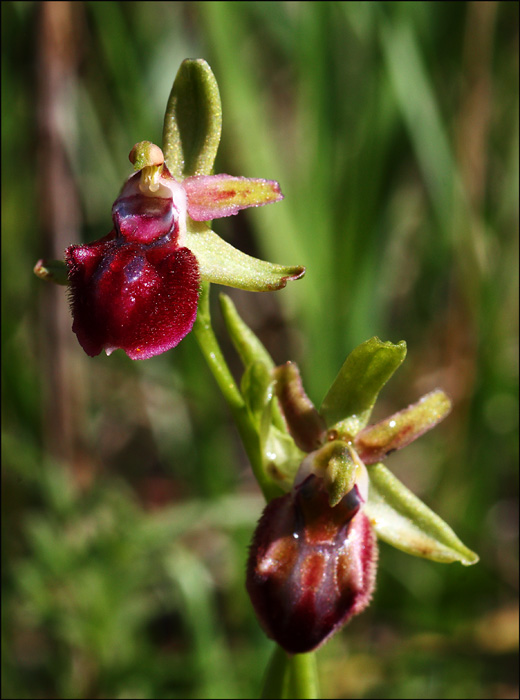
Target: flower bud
[(311, 566)]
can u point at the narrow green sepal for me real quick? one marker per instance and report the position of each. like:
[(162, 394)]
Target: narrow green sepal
[(257, 389), (193, 121), (220, 263), (404, 521), (249, 348), (245, 341), (362, 376), (374, 442), (281, 456), (52, 271)]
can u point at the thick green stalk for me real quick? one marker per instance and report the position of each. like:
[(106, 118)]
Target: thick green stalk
[(303, 676), (287, 676), (210, 348), (290, 676), (276, 681)]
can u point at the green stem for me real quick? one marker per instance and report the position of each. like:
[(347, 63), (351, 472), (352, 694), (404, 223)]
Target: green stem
[(210, 348), (290, 676), (276, 681), (287, 676), (303, 677)]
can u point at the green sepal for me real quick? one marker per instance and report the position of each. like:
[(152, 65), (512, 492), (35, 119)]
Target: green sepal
[(52, 271), (249, 347), (362, 376), (374, 442), (281, 456), (404, 521), (220, 263), (257, 389), (193, 121), (245, 341)]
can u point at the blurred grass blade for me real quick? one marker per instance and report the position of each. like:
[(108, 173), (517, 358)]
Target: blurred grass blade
[(276, 681), (416, 98)]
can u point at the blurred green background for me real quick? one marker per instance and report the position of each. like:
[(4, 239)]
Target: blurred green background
[(128, 503)]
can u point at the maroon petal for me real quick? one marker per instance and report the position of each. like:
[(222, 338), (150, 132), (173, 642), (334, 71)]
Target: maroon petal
[(143, 216), (311, 567), (129, 296), (305, 424)]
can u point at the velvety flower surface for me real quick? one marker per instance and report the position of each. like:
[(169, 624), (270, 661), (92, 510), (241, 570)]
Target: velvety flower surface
[(137, 289), (311, 567)]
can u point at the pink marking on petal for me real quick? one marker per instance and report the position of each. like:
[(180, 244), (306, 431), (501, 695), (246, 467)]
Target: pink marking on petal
[(217, 196)]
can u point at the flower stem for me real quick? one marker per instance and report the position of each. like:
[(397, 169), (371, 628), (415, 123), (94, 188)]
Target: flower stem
[(290, 676), (210, 348), (303, 678), (287, 676)]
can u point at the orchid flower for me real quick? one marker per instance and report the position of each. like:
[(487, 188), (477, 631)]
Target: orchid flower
[(143, 287), (313, 558), (138, 287)]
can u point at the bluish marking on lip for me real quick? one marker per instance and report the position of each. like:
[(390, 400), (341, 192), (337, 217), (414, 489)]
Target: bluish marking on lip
[(134, 268)]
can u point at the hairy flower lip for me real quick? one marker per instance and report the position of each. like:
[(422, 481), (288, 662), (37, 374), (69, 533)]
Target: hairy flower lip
[(311, 567), (141, 322), (329, 513)]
